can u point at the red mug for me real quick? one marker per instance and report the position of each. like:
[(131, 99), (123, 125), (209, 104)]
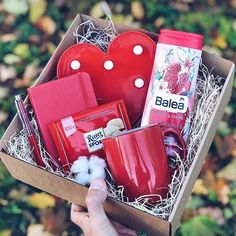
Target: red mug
[(137, 161)]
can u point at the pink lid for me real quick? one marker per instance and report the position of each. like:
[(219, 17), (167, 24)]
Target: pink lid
[(181, 38)]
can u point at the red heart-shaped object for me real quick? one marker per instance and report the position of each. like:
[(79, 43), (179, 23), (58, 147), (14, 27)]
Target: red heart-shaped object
[(121, 73)]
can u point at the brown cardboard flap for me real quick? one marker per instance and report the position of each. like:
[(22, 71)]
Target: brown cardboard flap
[(76, 193), (223, 68), (217, 65)]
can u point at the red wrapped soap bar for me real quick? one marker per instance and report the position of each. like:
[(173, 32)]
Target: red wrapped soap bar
[(82, 133)]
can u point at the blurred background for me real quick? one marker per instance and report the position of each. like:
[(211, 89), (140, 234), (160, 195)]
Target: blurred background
[(30, 30)]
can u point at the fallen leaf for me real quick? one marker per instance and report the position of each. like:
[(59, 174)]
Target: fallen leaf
[(228, 213), (209, 179), (29, 216), (231, 143), (3, 202), (211, 163), (222, 190), (228, 172), (234, 22), (233, 3), (195, 202), (97, 10), (218, 185), (199, 188), (218, 143), (200, 225), (41, 200), (34, 38), (137, 10), (159, 22), (30, 73), (37, 9), (118, 18), (37, 230), (211, 2), (2, 8), (50, 47), (43, 48), (47, 25), (6, 232), (16, 7), (229, 110), (9, 19), (4, 92), (19, 194), (118, 7), (180, 6), (11, 59), (22, 50), (187, 215), (213, 212), (220, 42), (226, 146), (60, 3), (7, 38), (7, 72), (5, 178), (223, 128), (125, 20), (54, 220), (3, 116)]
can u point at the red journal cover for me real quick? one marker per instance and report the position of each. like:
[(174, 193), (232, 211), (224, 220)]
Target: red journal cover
[(60, 98)]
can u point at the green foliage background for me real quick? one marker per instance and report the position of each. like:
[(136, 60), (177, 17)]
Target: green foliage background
[(29, 34)]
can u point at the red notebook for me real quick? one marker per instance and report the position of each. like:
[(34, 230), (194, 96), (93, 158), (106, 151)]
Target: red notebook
[(60, 98)]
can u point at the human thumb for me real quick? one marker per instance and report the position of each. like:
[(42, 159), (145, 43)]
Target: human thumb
[(96, 196)]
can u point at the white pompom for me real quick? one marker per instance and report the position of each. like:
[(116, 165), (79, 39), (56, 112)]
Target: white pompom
[(82, 178), (81, 165), (98, 172), (95, 161)]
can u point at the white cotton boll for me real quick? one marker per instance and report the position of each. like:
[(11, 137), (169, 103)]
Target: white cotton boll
[(98, 172), (82, 178), (95, 161), (75, 167), (81, 165)]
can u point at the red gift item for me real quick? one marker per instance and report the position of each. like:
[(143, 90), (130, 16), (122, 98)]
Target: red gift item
[(123, 73), (60, 98), (181, 38), (137, 161), (81, 133)]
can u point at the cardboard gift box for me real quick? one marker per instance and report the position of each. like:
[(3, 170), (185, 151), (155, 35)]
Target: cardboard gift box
[(119, 211)]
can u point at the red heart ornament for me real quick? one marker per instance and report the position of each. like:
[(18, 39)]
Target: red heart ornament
[(121, 73)]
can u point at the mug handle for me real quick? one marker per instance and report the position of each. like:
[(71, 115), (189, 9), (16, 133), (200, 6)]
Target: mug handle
[(179, 139)]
